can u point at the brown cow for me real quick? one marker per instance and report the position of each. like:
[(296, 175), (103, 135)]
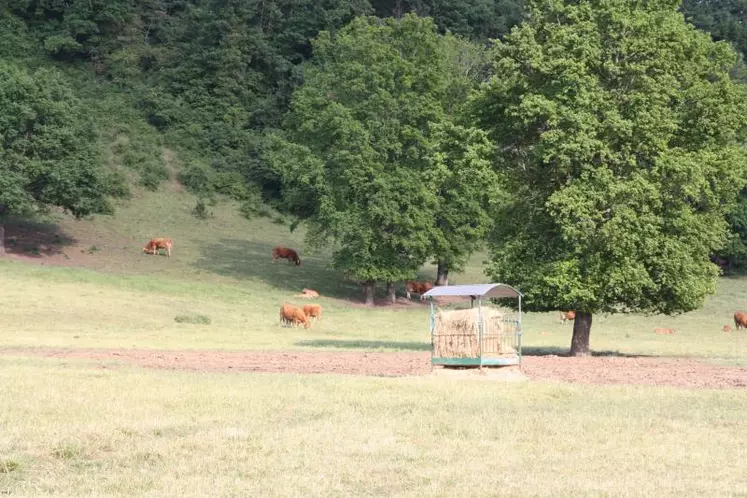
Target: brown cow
[(286, 314), (313, 311), (740, 320), (299, 317), (159, 243), (663, 331), (294, 316), (415, 287), (567, 315), (280, 252)]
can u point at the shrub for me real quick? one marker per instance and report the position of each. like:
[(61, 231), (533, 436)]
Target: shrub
[(195, 319), (197, 178), (201, 211), (7, 466)]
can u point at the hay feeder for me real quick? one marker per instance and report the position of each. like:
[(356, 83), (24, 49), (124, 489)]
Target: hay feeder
[(480, 335)]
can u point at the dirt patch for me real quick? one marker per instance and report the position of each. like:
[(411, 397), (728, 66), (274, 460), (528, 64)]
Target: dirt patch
[(505, 374), (677, 372), (302, 362)]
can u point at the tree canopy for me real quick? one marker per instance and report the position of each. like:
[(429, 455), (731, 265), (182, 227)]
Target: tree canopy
[(213, 76), (622, 144), (369, 155), (48, 152)]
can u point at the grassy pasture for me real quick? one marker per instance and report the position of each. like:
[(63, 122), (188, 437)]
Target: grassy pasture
[(74, 429), (79, 428), (73, 307), (116, 296)]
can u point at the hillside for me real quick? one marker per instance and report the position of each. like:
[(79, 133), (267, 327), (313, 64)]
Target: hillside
[(188, 89), (224, 248), (87, 283)]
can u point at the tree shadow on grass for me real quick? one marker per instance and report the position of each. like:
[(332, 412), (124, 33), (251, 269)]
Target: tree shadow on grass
[(243, 259), (354, 344), (31, 238), (556, 351)]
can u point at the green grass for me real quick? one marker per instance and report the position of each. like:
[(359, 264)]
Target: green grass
[(196, 319), (66, 307), (117, 296), (226, 248), (77, 429)]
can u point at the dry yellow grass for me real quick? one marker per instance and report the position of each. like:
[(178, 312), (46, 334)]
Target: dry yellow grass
[(74, 429)]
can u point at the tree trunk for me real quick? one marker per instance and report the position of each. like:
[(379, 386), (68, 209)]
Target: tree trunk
[(442, 274), (391, 292), (368, 292), (2, 240), (581, 331)]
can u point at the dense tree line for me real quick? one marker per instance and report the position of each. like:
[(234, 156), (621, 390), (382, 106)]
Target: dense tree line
[(215, 75), (597, 147)]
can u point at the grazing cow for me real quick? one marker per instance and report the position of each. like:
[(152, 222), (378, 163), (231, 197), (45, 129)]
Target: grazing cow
[(286, 314), (662, 331), (308, 294), (567, 315), (299, 317), (313, 311), (740, 320), (159, 243), (727, 328), (294, 316), (280, 252), (414, 287)]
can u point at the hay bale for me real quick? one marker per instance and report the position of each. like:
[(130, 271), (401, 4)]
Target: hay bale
[(456, 334)]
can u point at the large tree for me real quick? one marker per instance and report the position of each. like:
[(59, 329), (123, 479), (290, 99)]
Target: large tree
[(621, 137), (48, 148), (367, 157), (462, 160), (466, 185)]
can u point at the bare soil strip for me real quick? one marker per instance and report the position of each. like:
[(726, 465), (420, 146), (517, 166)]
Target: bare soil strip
[(677, 372)]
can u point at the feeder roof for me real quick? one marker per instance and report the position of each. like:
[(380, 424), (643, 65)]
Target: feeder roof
[(476, 290)]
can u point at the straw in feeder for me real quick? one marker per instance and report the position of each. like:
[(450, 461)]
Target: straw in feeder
[(457, 333)]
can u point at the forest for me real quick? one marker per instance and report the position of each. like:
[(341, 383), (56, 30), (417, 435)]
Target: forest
[(596, 148)]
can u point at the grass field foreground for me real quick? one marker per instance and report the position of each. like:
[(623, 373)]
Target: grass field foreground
[(77, 429)]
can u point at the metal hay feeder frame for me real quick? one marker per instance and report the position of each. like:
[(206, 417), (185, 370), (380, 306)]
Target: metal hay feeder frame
[(479, 292)]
